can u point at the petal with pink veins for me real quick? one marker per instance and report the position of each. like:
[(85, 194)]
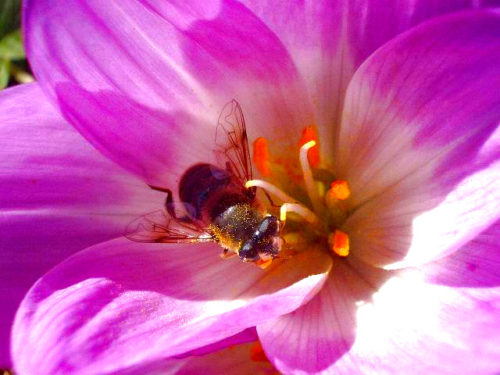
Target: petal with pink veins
[(145, 81), (123, 305), (419, 141), (321, 332), (335, 37), (58, 195), (400, 324)]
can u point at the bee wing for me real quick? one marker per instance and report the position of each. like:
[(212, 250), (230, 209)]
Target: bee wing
[(232, 142), (158, 227)]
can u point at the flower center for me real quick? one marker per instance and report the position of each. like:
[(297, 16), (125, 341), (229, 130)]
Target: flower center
[(326, 210)]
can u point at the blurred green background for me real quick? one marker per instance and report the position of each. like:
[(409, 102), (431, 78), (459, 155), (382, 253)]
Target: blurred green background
[(14, 68)]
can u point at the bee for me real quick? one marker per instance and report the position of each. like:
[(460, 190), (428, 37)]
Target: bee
[(218, 207)]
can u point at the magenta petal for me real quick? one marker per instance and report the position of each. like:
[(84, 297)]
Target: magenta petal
[(58, 195), (243, 337), (313, 337), (405, 326), (477, 264), (328, 41), (145, 81), (419, 141), (413, 327), (123, 305)]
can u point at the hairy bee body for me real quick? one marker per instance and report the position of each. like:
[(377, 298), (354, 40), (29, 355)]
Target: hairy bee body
[(216, 200)]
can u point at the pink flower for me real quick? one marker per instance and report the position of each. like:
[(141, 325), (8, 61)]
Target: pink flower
[(412, 127)]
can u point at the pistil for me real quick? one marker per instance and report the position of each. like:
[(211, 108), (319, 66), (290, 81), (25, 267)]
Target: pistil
[(303, 212), (311, 188), (271, 189)]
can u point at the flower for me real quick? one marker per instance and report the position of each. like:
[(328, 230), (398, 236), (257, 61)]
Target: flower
[(411, 129)]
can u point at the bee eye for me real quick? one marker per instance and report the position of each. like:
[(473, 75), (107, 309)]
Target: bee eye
[(248, 251), (268, 226)]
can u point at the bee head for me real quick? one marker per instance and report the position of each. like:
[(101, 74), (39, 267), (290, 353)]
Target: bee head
[(265, 242)]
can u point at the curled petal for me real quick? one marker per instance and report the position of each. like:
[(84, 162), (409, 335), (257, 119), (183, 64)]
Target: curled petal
[(419, 141), (58, 195), (122, 305)]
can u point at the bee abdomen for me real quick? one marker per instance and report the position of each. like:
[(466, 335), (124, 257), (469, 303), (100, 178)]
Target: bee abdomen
[(207, 190)]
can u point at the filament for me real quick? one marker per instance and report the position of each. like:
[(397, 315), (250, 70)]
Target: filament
[(270, 188), (302, 211)]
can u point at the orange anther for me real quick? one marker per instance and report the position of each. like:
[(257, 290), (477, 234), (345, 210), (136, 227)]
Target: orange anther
[(339, 242), (309, 134), (339, 189), (261, 156), (257, 353)]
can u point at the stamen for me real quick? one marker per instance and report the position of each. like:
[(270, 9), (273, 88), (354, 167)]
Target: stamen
[(339, 189), (270, 188), (339, 243), (309, 134), (261, 156), (312, 191), (302, 211)]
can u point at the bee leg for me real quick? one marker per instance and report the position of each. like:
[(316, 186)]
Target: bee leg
[(226, 254), (270, 200), (169, 205), (163, 190)]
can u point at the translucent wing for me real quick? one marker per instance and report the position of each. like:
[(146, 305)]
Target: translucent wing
[(232, 143), (157, 226)]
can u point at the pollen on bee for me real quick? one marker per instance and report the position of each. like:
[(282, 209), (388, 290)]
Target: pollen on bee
[(261, 156), (339, 243), (309, 134), (339, 189)]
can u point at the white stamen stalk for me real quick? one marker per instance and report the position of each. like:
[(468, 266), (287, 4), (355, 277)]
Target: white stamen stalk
[(270, 188), (312, 191), (297, 208), (303, 212)]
